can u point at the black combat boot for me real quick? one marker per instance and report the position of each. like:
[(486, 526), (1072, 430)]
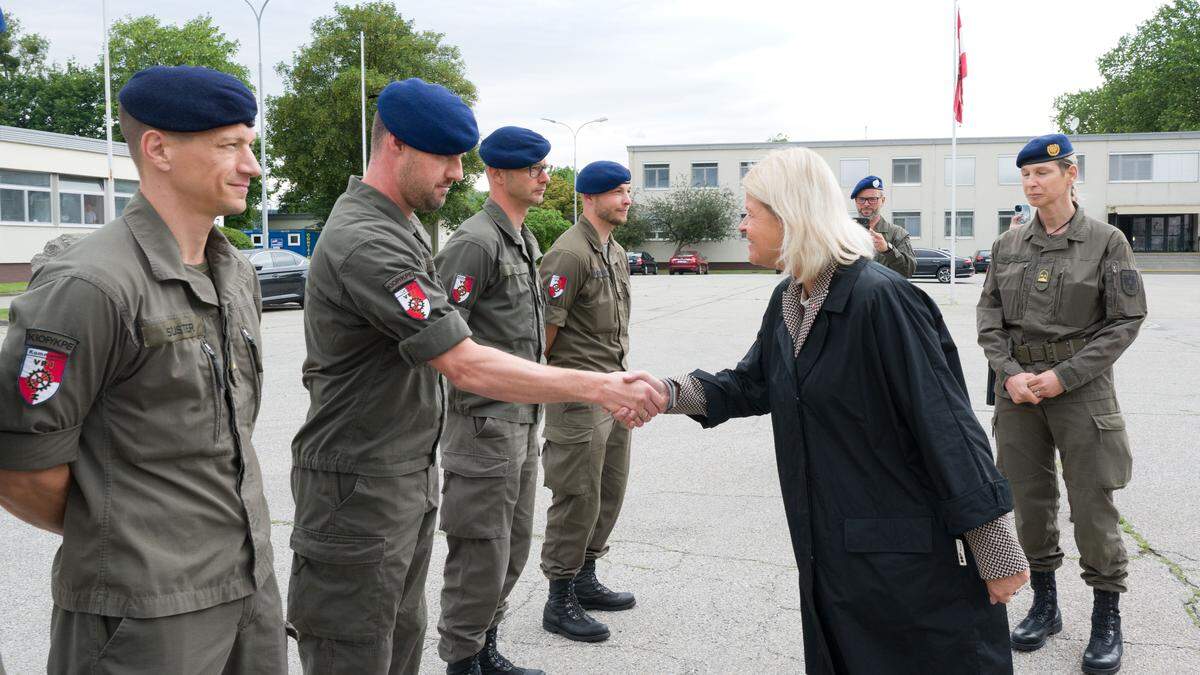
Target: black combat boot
[(564, 616), (1103, 653), (594, 595), (492, 661), (1043, 619), (465, 667)]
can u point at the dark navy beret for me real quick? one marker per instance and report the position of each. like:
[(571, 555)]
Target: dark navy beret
[(429, 117), (513, 148), (600, 177), (866, 184), (1045, 149), (187, 98)]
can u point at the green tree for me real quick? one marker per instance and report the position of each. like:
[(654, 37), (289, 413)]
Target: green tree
[(560, 192), (239, 239), (314, 125), (1151, 79), (690, 215), (636, 229), (547, 225)]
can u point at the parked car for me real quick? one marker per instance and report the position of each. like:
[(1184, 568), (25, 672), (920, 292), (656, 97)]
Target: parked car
[(281, 275), (688, 261), (641, 262), (935, 264), (983, 258)]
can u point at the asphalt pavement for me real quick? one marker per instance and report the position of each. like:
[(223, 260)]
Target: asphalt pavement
[(702, 539)]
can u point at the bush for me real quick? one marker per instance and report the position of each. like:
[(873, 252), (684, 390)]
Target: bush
[(547, 225), (239, 239)]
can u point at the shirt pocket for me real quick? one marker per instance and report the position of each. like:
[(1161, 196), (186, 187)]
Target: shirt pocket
[(1077, 294), (598, 303), (1011, 273)]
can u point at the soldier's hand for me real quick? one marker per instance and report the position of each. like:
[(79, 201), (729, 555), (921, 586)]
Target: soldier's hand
[(1045, 385), (638, 391), (881, 244), (1018, 389), (1003, 589)]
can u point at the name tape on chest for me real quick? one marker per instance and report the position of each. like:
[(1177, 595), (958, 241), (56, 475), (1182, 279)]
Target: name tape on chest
[(159, 333)]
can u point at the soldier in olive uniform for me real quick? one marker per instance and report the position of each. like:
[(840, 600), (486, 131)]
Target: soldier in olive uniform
[(1061, 303), (586, 455), (489, 448), (379, 329), (133, 379), (893, 248)]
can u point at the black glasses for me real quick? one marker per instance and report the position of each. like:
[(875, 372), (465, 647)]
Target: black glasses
[(538, 169)]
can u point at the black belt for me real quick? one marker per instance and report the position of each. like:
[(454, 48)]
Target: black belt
[(1047, 352)]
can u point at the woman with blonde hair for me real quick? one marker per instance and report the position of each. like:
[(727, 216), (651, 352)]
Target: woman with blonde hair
[(883, 466)]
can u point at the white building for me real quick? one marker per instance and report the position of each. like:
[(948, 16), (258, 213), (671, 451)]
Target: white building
[(1148, 185), (53, 184)]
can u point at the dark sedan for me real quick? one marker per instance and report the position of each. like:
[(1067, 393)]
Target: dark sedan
[(935, 264), (281, 276), (983, 258), (641, 262)]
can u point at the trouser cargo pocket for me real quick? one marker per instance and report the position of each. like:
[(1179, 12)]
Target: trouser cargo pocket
[(336, 589), (567, 457)]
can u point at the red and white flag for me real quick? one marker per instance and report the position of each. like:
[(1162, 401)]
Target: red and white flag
[(962, 68)]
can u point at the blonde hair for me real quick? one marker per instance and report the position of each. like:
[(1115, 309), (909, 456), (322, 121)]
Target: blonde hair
[(801, 190)]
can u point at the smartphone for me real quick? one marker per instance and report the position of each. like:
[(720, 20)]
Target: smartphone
[(865, 222), (1024, 213)]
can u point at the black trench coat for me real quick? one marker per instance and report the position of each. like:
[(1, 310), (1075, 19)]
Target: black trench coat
[(882, 466)]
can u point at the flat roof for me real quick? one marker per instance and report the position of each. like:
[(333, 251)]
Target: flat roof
[(979, 140), (49, 139)]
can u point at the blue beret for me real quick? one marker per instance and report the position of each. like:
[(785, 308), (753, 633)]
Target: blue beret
[(867, 183), (429, 117), (513, 148), (599, 177), (1045, 149), (187, 98)]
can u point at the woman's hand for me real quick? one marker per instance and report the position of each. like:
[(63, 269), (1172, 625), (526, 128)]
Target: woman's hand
[(1003, 589)]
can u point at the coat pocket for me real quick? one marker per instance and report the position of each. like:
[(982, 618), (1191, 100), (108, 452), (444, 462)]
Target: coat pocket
[(889, 535), (336, 590)]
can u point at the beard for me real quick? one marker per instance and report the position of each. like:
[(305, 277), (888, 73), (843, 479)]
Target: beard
[(420, 197), (613, 216)]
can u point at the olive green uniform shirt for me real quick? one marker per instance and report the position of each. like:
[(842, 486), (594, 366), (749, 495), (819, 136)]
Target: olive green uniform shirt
[(145, 378), (899, 256), (587, 297), (489, 271), (375, 314), (1080, 284)]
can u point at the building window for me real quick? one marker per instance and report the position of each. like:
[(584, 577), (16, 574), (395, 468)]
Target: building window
[(1007, 172), (1165, 167), (24, 197), (123, 191), (1004, 220), (966, 171), (80, 200), (656, 176), (704, 174), (1079, 161), (744, 168), (293, 239), (853, 170), (906, 171), (966, 224), (909, 220), (256, 239)]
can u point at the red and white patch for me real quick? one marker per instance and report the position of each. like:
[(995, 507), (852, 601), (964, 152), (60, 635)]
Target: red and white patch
[(41, 374), (413, 299), (558, 285), (463, 283)]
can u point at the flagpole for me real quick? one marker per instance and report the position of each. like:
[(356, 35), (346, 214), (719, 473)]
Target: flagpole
[(954, 165), (362, 83), (110, 207)]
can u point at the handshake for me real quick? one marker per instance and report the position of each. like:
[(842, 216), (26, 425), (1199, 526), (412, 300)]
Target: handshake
[(633, 398)]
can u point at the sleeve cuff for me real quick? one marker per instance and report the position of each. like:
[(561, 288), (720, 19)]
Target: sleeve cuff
[(978, 507), (1010, 368), (997, 552), (556, 316), (1066, 376), (435, 339), (34, 452)]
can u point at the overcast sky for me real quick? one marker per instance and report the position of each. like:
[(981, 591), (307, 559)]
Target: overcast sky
[(698, 71)]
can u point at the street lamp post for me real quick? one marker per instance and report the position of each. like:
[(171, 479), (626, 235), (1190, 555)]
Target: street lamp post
[(574, 156), (262, 124)]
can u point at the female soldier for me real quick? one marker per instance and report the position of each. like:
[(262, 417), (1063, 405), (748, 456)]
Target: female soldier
[(1061, 302), (882, 464)]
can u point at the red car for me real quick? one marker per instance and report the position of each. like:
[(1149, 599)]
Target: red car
[(688, 261)]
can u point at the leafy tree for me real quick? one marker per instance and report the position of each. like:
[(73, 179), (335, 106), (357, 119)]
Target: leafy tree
[(1151, 79), (314, 125), (547, 225), (560, 192), (636, 229), (239, 239), (689, 215)]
